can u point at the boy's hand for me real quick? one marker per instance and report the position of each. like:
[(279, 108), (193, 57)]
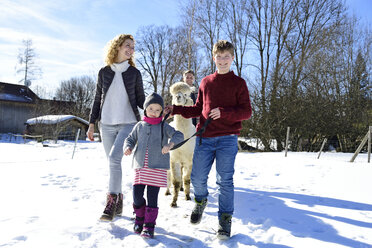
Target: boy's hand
[(168, 109), (167, 148), (127, 151), (215, 113)]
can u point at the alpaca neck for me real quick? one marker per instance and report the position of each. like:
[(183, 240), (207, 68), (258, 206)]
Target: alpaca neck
[(181, 122)]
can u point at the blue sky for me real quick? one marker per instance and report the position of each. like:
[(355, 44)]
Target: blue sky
[(69, 35)]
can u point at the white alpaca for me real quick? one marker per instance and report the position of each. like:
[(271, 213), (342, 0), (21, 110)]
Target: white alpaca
[(181, 158)]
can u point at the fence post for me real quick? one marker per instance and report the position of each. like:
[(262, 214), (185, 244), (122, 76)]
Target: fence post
[(360, 147), (321, 148), (286, 141), (76, 139), (369, 143)]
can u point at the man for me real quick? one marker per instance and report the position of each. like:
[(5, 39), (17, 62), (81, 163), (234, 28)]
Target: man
[(189, 78)]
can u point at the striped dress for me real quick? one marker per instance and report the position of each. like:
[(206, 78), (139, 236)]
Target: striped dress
[(149, 176)]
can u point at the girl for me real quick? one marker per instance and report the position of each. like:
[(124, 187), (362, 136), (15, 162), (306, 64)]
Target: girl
[(119, 92), (150, 161)]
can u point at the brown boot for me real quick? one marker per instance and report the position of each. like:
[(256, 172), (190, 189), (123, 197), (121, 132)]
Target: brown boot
[(110, 209), (119, 205)]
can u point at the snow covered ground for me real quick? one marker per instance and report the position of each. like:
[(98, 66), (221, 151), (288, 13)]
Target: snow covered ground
[(51, 200)]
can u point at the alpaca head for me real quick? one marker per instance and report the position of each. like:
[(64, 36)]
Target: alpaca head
[(181, 94)]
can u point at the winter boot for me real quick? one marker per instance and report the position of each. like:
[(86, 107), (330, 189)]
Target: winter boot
[(224, 227), (110, 209), (150, 221), (119, 205), (140, 218), (198, 210)]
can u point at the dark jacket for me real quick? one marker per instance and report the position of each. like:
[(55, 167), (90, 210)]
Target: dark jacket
[(133, 84)]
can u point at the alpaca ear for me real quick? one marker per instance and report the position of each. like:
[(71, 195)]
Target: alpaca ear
[(193, 88)]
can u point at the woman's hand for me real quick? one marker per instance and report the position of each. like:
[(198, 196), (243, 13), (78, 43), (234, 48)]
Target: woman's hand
[(90, 132)]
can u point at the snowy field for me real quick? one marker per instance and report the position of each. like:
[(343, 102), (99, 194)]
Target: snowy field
[(51, 200)]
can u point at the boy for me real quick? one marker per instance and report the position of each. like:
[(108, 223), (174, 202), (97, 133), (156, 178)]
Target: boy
[(223, 97)]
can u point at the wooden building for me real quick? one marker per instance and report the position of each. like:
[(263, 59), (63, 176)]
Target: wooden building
[(63, 127), (17, 104)]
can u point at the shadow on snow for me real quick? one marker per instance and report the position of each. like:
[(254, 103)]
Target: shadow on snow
[(269, 209)]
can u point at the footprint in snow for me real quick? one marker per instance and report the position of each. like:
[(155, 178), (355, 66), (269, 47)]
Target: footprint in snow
[(21, 238), (83, 235)]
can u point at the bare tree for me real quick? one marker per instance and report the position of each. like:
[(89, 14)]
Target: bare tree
[(193, 59), (312, 65), (80, 91), (284, 23), (263, 17), (237, 22), (161, 55), (188, 18), (314, 19), (27, 63), (209, 19), (42, 92)]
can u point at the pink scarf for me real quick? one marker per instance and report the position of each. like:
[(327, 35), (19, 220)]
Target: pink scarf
[(153, 121)]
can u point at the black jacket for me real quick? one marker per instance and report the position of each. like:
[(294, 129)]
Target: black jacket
[(133, 84)]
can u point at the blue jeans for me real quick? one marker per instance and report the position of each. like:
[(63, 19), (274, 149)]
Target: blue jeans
[(113, 137), (223, 149)]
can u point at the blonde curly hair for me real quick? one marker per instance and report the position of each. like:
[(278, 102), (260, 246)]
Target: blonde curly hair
[(113, 46)]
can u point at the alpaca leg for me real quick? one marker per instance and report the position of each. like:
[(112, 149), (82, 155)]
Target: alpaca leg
[(181, 185), (176, 182), (167, 192), (186, 180)]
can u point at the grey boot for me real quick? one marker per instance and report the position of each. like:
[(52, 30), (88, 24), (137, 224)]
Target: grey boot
[(224, 227), (198, 210)]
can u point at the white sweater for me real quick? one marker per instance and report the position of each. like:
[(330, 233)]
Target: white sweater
[(116, 108)]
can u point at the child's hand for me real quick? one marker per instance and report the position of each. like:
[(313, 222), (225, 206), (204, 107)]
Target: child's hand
[(215, 113), (127, 151), (167, 148)]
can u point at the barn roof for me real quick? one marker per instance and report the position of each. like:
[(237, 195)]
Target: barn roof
[(17, 93), (54, 119)]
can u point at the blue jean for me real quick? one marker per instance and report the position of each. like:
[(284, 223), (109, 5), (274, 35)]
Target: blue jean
[(113, 137), (223, 149)]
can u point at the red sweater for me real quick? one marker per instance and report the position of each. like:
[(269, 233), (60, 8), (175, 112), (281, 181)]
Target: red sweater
[(230, 94)]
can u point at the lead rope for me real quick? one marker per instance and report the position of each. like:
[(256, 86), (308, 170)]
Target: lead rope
[(200, 132)]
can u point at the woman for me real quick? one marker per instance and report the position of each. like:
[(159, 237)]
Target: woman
[(119, 92)]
